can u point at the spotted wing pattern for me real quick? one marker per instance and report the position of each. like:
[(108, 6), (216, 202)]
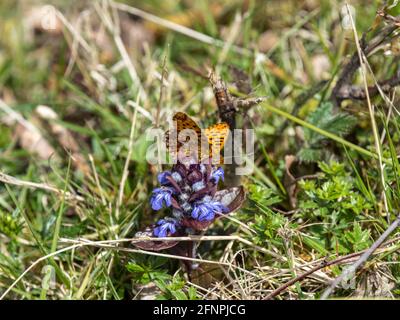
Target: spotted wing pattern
[(209, 144), (183, 121), (217, 136)]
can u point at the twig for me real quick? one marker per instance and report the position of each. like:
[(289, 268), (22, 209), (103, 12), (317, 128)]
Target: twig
[(227, 113), (354, 63), (246, 104), (354, 92), (228, 108), (388, 17), (322, 264), (362, 259)]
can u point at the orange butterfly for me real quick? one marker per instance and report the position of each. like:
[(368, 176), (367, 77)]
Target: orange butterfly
[(189, 138)]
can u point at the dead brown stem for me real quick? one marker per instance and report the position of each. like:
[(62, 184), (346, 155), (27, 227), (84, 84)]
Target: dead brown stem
[(352, 66), (321, 265)]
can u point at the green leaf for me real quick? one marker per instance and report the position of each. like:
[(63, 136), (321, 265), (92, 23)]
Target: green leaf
[(323, 118), (357, 239), (263, 195), (315, 244), (309, 155), (333, 168)]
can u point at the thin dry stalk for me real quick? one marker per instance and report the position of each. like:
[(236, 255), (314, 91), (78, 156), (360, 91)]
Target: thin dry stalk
[(5, 178), (375, 132), (112, 24), (232, 36), (96, 178), (105, 245), (75, 34), (126, 166)]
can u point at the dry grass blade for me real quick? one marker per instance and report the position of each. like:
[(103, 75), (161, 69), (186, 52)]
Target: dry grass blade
[(5, 178), (375, 132), (108, 245)]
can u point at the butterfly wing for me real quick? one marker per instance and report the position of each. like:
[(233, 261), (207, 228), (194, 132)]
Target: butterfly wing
[(181, 122), (209, 145), (217, 136)]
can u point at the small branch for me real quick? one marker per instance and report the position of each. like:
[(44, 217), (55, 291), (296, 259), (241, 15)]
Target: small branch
[(321, 265), (228, 108), (246, 104), (352, 66), (388, 17), (324, 264), (362, 260), (227, 113), (354, 92)]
